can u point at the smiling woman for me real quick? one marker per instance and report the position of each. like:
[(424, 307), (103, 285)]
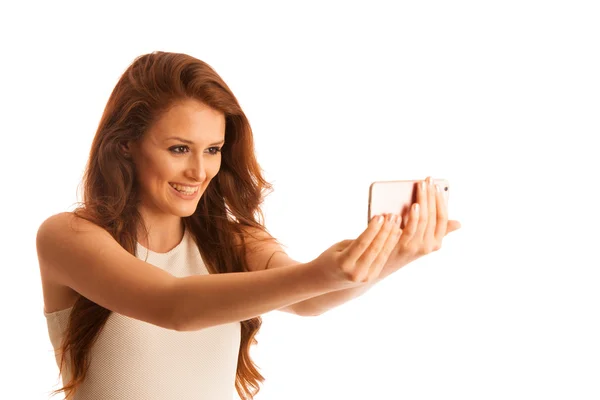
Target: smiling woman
[(172, 183), (176, 170), (155, 285)]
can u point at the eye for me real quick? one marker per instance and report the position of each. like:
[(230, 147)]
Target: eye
[(214, 150), (177, 149)]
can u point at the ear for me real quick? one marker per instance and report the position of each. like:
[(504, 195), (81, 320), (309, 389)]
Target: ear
[(125, 148)]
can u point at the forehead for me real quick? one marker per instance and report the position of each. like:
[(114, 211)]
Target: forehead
[(189, 119)]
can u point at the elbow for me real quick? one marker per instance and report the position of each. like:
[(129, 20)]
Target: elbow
[(180, 324), (308, 312), (311, 315), (177, 325), (186, 326), (175, 314), (180, 328), (314, 314), (182, 315), (306, 309)]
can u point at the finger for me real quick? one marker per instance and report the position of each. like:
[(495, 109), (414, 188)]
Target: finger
[(442, 215), (428, 236), (366, 259), (452, 226), (362, 243), (410, 227), (423, 211), (384, 254)]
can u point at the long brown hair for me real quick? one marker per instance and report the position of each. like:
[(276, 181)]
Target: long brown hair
[(148, 87)]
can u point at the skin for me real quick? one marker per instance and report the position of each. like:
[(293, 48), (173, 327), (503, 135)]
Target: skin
[(161, 159), (384, 247), (381, 250), (426, 227)]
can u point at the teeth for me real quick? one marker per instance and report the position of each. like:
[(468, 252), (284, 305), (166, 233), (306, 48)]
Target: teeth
[(185, 189)]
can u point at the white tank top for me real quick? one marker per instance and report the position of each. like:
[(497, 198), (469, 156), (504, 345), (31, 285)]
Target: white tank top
[(136, 360)]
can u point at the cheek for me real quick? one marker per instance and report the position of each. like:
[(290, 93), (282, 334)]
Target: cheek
[(213, 169), (155, 173)]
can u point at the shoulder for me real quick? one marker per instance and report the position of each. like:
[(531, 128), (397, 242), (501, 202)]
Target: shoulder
[(253, 234), (59, 223), (60, 232), (54, 237), (262, 250), (64, 224)]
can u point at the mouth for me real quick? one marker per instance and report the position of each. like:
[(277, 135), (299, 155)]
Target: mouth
[(185, 190)]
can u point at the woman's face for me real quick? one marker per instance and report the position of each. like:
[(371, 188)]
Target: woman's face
[(177, 158)]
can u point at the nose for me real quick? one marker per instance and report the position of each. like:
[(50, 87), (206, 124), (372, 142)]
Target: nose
[(197, 168)]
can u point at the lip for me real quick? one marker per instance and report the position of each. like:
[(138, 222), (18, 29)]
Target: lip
[(184, 196), (186, 184)]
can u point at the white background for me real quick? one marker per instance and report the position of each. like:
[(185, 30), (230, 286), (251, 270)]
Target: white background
[(500, 98)]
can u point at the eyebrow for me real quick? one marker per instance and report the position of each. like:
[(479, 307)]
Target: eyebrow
[(190, 142)]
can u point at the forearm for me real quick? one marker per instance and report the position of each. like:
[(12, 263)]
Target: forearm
[(324, 302), (207, 300)]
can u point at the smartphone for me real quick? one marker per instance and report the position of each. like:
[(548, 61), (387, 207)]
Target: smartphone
[(396, 197)]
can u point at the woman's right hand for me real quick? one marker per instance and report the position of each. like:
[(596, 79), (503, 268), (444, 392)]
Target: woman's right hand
[(356, 262)]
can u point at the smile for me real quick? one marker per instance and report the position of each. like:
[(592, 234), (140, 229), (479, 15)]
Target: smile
[(188, 190)]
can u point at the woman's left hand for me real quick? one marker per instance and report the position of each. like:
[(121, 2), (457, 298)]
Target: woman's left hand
[(424, 230)]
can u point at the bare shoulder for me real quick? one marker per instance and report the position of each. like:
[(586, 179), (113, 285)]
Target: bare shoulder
[(66, 223), (77, 254), (263, 251), (51, 233), (59, 232), (56, 296)]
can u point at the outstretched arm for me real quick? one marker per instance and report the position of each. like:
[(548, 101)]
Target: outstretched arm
[(263, 252), (426, 226), (319, 304)]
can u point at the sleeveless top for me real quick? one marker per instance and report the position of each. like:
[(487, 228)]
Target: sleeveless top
[(136, 360)]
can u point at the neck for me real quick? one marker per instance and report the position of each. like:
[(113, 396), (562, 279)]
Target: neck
[(162, 237)]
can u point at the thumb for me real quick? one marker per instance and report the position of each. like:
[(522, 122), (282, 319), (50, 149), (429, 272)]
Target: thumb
[(452, 226)]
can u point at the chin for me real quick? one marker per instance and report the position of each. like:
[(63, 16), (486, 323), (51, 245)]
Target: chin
[(182, 207), (184, 211)]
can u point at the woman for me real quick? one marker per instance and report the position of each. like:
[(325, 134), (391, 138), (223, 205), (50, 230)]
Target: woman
[(146, 290)]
